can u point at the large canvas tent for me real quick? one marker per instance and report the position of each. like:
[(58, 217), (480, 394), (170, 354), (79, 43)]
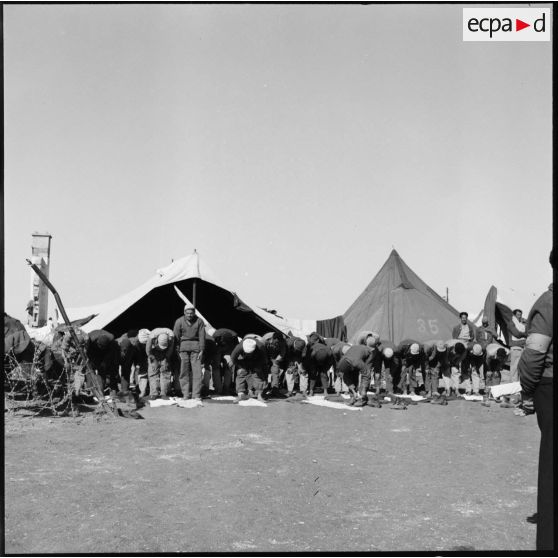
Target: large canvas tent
[(160, 300), (399, 305)]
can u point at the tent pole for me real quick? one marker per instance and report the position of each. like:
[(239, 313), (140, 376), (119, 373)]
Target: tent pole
[(194, 294)]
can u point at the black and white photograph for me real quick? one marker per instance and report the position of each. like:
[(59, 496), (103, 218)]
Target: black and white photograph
[(277, 278)]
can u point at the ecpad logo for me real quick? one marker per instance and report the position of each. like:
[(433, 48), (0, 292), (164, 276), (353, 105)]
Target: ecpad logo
[(506, 24)]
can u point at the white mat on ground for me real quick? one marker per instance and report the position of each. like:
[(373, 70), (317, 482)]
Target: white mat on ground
[(162, 402), (189, 403), (317, 400), (252, 403), (472, 397), (223, 398), (411, 396), (505, 389)]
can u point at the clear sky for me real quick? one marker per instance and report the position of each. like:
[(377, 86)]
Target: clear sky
[(292, 145)]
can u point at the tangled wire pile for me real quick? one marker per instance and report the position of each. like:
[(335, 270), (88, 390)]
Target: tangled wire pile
[(38, 387)]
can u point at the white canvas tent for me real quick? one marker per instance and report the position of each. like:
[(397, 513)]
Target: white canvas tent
[(157, 303)]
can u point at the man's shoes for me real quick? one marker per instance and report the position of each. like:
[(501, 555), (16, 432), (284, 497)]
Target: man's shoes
[(360, 402), (240, 397), (165, 397)]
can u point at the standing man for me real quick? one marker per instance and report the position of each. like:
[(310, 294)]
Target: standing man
[(159, 349), (189, 333), (463, 330), (517, 342), (537, 379), (250, 359)]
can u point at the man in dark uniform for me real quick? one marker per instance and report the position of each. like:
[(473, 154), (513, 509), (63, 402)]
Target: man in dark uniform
[(225, 340), (317, 360), (295, 353), (357, 361), (103, 353), (536, 374), (276, 349), (338, 350)]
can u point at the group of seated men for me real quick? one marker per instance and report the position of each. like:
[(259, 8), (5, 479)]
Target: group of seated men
[(186, 362)]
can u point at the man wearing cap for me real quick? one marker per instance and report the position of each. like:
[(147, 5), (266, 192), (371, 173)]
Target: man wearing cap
[(294, 356), (276, 349), (536, 373), (412, 361), (495, 358), (250, 359), (189, 333), (357, 361), (435, 354), (485, 334), (473, 367), (517, 342), (140, 360), (159, 349), (391, 366), (464, 330), (104, 354)]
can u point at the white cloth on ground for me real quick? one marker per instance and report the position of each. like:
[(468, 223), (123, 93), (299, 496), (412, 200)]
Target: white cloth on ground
[(505, 389), (320, 401), (252, 403)]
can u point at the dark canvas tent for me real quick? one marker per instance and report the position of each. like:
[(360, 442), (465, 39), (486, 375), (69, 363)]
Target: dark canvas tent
[(399, 305)]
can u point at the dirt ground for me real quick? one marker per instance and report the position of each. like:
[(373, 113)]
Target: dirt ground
[(289, 477)]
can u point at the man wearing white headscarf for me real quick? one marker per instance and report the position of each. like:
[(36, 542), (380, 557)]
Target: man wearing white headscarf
[(250, 359), (159, 349)]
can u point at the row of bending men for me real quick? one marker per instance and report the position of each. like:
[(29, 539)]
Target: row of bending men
[(185, 360)]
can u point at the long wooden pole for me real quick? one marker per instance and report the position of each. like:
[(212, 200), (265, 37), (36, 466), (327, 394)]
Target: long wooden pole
[(89, 372)]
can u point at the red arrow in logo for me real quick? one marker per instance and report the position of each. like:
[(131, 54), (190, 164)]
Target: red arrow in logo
[(519, 25)]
